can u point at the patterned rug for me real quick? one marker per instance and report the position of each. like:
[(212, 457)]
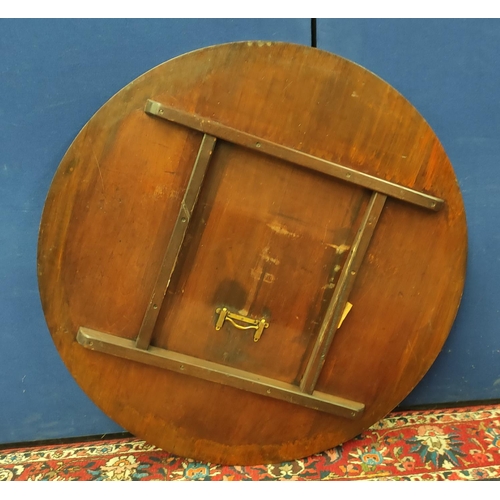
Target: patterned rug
[(458, 444)]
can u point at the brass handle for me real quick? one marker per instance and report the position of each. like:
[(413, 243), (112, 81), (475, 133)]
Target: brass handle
[(253, 324)]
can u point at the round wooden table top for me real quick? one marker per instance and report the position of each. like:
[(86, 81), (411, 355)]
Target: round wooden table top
[(262, 187)]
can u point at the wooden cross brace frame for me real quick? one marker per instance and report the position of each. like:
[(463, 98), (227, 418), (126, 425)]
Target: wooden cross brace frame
[(303, 394)]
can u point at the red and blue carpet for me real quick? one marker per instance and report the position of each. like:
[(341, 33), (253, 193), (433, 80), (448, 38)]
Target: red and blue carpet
[(457, 444)]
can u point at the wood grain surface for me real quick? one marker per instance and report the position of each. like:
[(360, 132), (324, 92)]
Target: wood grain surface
[(266, 239)]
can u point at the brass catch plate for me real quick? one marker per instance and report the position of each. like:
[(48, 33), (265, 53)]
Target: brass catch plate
[(256, 324)]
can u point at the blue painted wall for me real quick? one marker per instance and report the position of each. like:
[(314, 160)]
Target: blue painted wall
[(450, 71), (54, 74)]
